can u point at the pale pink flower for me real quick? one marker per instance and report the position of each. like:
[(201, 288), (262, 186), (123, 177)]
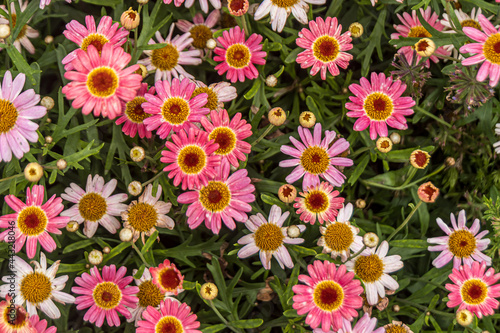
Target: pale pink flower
[(44, 3), (27, 32), (171, 314), (204, 4), (134, 115), (217, 94), (200, 30), (177, 3)]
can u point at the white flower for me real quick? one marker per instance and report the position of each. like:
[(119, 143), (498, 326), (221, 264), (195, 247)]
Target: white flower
[(496, 145)]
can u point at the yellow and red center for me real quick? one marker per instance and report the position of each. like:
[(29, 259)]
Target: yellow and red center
[(369, 268), (134, 111), (226, 139), (419, 158), (474, 291), (462, 243), (326, 48), (212, 98), (8, 115), (422, 45), (169, 324), (175, 110), (328, 295), (15, 322), (142, 217), (149, 294), (102, 82), (339, 237), (316, 201), (491, 48), (378, 106), (315, 160), (107, 295), (92, 206), (166, 58), (268, 237), (36, 288), (97, 40), (419, 31), (215, 197), (238, 56), (32, 221), (169, 279), (192, 159), (429, 191), (200, 35)]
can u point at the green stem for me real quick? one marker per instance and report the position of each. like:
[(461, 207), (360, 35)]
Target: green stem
[(357, 253), (402, 187), (140, 255), (418, 306), (427, 113), (430, 282), (411, 173), (222, 318), (266, 132), (154, 178), (136, 30), (11, 177), (405, 222), (79, 234)]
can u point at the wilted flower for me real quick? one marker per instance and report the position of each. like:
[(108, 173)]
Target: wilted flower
[(33, 172), (277, 116), (427, 192), (209, 291), (412, 73), (287, 193), (307, 119)]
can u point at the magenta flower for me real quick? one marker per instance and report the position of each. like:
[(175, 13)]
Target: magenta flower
[(487, 50), (34, 220), (134, 115), (364, 324), (314, 157), (106, 296), (319, 202), (239, 56), (173, 316), (329, 296), (460, 244), (473, 289), (225, 199), (379, 103), (325, 47)]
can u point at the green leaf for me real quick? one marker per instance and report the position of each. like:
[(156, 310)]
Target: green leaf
[(21, 63), (409, 243), (70, 268), (139, 273), (149, 243), (255, 88), (78, 245), (292, 57), (303, 251), (403, 155), (116, 251), (359, 170), (271, 200), (110, 3), (214, 328), (247, 323)]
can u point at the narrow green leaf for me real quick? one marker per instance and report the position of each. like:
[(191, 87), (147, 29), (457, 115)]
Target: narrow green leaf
[(78, 245), (359, 170), (247, 323)]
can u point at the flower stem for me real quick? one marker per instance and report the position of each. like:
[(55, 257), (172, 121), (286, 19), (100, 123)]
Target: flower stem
[(266, 132), (11, 177), (140, 254), (154, 178), (405, 222), (427, 113), (357, 253), (222, 318)]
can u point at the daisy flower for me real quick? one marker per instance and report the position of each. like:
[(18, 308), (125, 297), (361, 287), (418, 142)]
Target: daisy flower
[(174, 107), (329, 295), (229, 135), (397, 326), (101, 83), (204, 4), (105, 33), (371, 267), (149, 295), (460, 244), (44, 3), (34, 220), (218, 93), (168, 278), (176, 2), (496, 145), (340, 237), (473, 289), (411, 27), (26, 32), (364, 325), (95, 205), (200, 31), (190, 158), (168, 60), (268, 237), (238, 56), (379, 103), (14, 319), (106, 296), (320, 202), (16, 112), (314, 157), (486, 50), (38, 287), (144, 215), (172, 316), (134, 115), (325, 47), (279, 10), (225, 199), (40, 325)]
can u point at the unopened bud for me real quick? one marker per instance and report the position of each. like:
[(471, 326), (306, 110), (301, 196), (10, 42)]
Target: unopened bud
[(307, 119), (106, 250), (370, 239), (211, 44), (126, 235), (4, 31), (419, 159), (277, 116), (425, 47), (287, 193), (384, 145), (142, 2), (427, 192), (209, 291), (396, 308), (48, 39), (33, 172), (395, 138), (135, 188), (72, 226), (130, 19), (356, 29), (360, 203), (293, 231), (95, 257), (137, 154), (271, 81), (48, 139), (450, 161), (61, 164), (48, 102), (237, 7)]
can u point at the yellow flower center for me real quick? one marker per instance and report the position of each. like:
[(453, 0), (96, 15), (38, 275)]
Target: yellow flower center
[(226, 139), (471, 23), (107, 295), (200, 35), (134, 111), (215, 197), (462, 243), (166, 58), (378, 106), (149, 294), (92, 207), (192, 159), (169, 279), (491, 48), (317, 201), (97, 40), (395, 329), (15, 323), (369, 268), (22, 33), (339, 237), (238, 56), (419, 31), (36, 288), (175, 110), (326, 48), (102, 82), (169, 324), (212, 99), (32, 221), (142, 217), (328, 295), (315, 160), (268, 237), (284, 3), (474, 291), (8, 115)]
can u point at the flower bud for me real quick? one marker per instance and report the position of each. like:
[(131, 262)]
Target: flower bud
[(384, 145), (48, 102), (307, 119), (277, 116), (135, 188), (237, 7), (48, 120), (427, 192), (142, 70), (293, 231), (287, 193), (356, 29), (61, 164), (48, 139), (33, 172), (419, 158), (425, 47), (137, 154), (211, 44), (95, 257), (48, 39), (4, 31), (72, 226), (450, 161), (209, 291), (464, 317), (130, 19), (142, 2), (360, 203), (271, 81), (126, 235), (370, 239), (396, 308), (395, 138), (106, 250)]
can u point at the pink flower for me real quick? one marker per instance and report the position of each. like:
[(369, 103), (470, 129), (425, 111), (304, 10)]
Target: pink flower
[(379, 103), (239, 56), (177, 3), (168, 278), (174, 107), (204, 4), (106, 32), (330, 294), (319, 201), (101, 83), (325, 47), (172, 315), (200, 30), (473, 289), (314, 157), (34, 220), (16, 112), (134, 115), (106, 296), (14, 318), (225, 198), (459, 244), (229, 135), (190, 158), (44, 3), (411, 27), (41, 325), (486, 50), (364, 325)]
